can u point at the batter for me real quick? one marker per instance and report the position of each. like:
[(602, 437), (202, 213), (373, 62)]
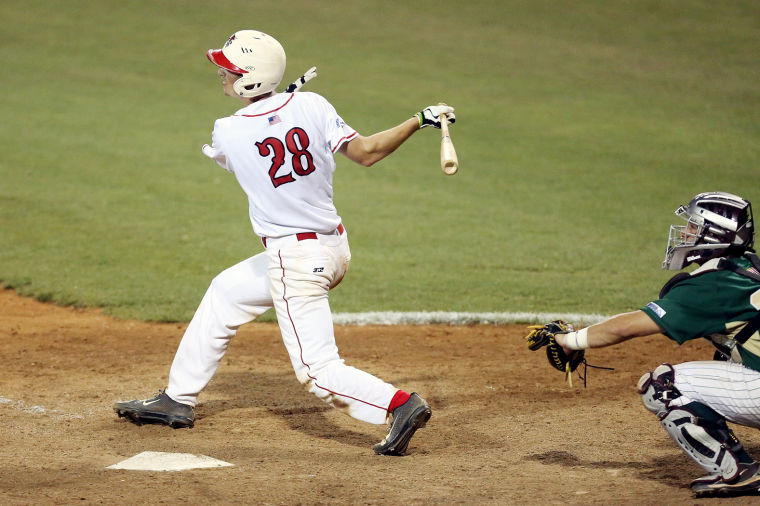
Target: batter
[(720, 301), (281, 148)]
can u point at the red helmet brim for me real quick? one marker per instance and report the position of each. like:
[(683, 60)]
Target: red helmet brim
[(216, 56)]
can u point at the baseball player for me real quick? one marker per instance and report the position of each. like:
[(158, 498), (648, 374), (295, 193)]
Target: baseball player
[(720, 301), (281, 147)]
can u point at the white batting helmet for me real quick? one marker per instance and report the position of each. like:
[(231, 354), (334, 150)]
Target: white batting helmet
[(257, 57)]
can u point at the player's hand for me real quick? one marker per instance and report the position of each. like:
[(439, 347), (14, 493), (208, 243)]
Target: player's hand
[(431, 115), (209, 151), (560, 339)]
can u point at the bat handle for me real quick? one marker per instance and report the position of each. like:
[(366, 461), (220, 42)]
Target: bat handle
[(444, 125), (444, 119)]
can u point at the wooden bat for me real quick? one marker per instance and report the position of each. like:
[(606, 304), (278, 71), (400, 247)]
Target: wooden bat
[(449, 160)]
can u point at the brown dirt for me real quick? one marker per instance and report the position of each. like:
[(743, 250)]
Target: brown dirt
[(505, 429)]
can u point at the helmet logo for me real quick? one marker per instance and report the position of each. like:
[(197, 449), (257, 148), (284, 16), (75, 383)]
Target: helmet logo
[(229, 41)]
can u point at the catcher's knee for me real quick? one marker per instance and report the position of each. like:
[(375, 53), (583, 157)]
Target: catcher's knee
[(657, 389), (700, 431), (704, 435)]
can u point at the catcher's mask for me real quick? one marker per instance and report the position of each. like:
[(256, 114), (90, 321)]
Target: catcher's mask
[(717, 224), (256, 57)]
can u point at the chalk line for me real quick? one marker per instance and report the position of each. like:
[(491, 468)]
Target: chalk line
[(460, 318), (34, 409)]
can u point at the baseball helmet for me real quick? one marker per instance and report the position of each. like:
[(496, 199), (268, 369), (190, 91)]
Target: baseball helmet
[(717, 224), (257, 57)]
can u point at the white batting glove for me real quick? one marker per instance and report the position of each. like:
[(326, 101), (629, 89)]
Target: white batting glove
[(431, 115), (219, 157), (209, 151)]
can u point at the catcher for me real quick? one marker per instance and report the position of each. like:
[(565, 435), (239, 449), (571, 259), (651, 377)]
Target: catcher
[(719, 301)]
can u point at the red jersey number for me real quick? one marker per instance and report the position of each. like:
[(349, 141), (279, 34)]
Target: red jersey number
[(297, 143)]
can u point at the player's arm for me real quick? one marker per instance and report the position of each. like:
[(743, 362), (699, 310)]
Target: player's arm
[(614, 330), (369, 150)]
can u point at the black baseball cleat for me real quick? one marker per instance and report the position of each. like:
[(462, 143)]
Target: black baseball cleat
[(161, 409), (747, 482), (407, 418)]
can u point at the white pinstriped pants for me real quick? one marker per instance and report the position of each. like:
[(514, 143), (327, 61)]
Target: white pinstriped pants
[(729, 388), (294, 277)]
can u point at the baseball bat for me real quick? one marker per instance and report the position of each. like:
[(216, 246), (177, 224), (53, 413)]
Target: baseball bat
[(296, 85), (449, 160)]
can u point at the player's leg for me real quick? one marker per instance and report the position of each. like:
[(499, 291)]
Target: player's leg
[(301, 273), (236, 296), (729, 388), (700, 431)]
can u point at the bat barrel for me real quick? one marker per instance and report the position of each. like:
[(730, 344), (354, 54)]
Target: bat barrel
[(449, 161)]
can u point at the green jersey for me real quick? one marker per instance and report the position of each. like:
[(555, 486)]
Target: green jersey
[(715, 304)]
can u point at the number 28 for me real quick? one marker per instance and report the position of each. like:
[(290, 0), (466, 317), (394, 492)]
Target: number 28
[(296, 142)]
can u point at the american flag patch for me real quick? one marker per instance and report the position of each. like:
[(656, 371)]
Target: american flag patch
[(273, 120)]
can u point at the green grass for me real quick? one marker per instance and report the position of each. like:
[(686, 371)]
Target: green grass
[(580, 127)]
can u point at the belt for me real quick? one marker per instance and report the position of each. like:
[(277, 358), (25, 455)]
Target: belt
[(302, 236)]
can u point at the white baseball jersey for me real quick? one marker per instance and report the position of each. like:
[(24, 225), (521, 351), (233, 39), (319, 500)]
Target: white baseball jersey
[(281, 150)]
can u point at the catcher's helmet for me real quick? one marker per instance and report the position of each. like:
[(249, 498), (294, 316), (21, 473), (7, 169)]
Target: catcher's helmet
[(718, 224), (257, 57)]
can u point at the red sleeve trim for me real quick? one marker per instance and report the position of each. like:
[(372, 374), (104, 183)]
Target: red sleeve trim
[(344, 139)]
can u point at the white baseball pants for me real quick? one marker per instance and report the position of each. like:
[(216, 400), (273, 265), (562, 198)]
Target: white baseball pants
[(293, 276), (729, 388)]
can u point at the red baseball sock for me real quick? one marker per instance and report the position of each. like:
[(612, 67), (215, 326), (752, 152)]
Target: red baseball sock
[(400, 398)]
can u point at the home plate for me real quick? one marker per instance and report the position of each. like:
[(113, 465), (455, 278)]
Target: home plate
[(162, 461)]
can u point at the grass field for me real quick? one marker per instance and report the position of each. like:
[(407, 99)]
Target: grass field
[(580, 127)]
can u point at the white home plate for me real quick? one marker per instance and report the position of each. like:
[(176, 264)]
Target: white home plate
[(162, 461)]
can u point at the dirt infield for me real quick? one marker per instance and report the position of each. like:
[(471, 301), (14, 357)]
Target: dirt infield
[(505, 429)]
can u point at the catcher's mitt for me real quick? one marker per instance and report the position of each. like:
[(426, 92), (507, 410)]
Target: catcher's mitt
[(543, 335)]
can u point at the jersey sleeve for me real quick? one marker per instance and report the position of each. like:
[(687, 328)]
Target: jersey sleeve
[(336, 130), (690, 310), (215, 151)]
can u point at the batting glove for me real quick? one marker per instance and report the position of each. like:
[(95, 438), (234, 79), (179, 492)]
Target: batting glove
[(432, 115)]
